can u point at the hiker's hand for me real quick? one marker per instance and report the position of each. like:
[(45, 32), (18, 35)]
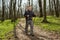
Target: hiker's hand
[(27, 15)]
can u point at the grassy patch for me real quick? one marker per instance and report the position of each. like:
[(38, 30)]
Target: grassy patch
[(54, 24), (6, 27)]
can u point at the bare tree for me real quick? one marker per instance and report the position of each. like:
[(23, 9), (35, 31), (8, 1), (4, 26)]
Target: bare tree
[(45, 18), (56, 3), (40, 5), (29, 2), (14, 10), (49, 6), (3, 10), (18, 12), (32, 4), (10, 9), (51, 9), (20, 9)]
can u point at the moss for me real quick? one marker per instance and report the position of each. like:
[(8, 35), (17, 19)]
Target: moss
[(6, 27), (54, 24)]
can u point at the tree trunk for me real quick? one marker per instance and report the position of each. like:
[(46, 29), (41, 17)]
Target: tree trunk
[(10, 9), (56, 2), (29, 2), (52, 6), (14, 11), (32, 4), (49, 7), (40, 5), (45, 18), (3, 10), (18, 13), (21, 9)]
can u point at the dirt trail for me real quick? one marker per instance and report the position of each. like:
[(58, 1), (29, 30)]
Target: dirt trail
[(39, 34)]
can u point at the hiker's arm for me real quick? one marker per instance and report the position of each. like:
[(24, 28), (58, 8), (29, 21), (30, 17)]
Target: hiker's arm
[(34, 15)]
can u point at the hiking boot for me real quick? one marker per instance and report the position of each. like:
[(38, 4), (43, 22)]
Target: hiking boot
[(26, 33), (32, 34)]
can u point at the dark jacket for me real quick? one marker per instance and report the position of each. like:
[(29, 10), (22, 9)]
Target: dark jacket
[(30, 13)]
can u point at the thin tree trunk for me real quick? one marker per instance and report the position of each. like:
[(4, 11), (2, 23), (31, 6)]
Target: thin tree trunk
[(49, 7), (56, 7), (57, 4), (45, 18), (14, 11), (32, 4), (10, 9), (52, 13), (20, 9), (29, 2), (3, 10), (40, 5)]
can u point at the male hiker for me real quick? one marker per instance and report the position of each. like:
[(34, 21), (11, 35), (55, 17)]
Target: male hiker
[(29, 14)]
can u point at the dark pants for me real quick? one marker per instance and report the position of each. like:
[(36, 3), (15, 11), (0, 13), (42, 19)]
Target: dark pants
[(29, 22)]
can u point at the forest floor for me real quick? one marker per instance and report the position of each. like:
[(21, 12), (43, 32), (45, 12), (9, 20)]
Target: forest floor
[(39, 34)]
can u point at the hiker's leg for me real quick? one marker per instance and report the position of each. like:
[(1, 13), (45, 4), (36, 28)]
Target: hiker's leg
[(26, 27), (31, 27)]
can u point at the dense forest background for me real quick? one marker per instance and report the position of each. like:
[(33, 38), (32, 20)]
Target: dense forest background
[(47, 18), (13, 9)]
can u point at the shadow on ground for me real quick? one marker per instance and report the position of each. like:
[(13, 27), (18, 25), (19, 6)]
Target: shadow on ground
[(35, 37)]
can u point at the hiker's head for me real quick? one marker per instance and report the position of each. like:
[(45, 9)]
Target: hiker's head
[(30, 8)]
